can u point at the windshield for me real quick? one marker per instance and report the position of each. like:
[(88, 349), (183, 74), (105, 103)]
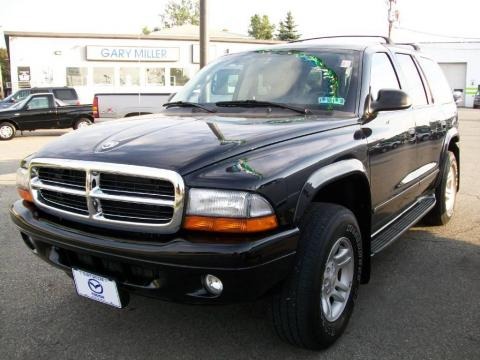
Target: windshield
[(314, 80)]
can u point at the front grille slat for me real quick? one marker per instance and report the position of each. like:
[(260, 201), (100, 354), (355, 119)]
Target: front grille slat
[(118, 184), (115, 210), (115, 196), (62, 177), (66, 202)]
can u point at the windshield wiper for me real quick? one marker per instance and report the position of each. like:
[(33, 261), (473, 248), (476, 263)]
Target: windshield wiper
[(255, 103), (189, 104)]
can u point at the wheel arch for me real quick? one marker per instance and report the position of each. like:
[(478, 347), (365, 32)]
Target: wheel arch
[(451, 143), (10, 121), (345, 183)]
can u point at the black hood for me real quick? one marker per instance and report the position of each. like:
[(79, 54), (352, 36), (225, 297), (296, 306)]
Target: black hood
[(182, 144)]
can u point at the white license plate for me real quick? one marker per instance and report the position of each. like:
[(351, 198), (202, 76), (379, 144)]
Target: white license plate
[(96, 287)]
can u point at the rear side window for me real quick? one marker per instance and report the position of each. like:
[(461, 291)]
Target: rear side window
[(438, 83), (416, 91), (65, 94), (382, 74)]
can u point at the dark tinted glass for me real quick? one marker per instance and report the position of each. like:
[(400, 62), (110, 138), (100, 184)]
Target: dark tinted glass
[(416, 91), (438, 83), (65, 94), (382, 74)]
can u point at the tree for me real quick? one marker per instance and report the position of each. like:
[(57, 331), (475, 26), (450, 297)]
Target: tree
[(180, 13), (146, 30), (5, 65), (287, 29), (260, 27)]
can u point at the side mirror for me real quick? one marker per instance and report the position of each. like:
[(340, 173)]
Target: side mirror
[(390, 99)]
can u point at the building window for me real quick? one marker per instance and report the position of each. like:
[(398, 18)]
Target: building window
[(103, 76), (178, 77), (129, 76), (156, 76), (76, 76)]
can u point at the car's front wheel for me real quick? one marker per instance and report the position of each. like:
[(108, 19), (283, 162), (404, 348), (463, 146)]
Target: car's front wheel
[(316, 302), (7, 131)]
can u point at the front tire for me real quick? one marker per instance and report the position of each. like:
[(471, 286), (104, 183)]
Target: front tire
[(82, 123), (446, 193), (316, 302), (7, 131)]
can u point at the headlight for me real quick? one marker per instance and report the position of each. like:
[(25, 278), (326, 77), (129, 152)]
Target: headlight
[(228, 211), (23, 180)]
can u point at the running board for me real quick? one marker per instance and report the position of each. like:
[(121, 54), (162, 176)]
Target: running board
[(406, 220)]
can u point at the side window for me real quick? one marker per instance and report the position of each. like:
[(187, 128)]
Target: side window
[(416, 91), (382, 74), (436, 79), (39, 102), (65, 94)]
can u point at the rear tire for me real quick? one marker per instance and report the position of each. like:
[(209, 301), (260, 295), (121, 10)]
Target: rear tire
[(81, 123), (446, 193), (314, 306), (7, 131)]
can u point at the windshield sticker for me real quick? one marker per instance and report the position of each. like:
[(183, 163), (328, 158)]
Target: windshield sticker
[(346, 64), (331, 100), (315, 62)]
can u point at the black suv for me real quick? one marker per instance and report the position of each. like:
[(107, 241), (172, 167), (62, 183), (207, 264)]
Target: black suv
[(277, 172), (66, 94)]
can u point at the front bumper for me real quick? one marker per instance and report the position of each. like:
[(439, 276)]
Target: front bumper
[(170, 269)]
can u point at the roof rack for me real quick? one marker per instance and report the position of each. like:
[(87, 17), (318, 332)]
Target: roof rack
[(413, 45), (387, 40)]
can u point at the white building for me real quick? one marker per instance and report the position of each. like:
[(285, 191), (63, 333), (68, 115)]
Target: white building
[(100, 63), (460, 62), (163, 61)]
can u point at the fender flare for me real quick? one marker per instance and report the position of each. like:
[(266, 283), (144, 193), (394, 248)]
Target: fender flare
[(324, 176), (452, 135), (11, 121)]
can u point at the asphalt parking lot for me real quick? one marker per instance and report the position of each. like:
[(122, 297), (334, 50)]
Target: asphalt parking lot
[(423, 301)]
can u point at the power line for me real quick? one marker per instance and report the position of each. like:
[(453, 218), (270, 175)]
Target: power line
[(438, 35)]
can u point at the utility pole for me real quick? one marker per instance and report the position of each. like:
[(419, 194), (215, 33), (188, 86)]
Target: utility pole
[(203, 33), (392, 16)]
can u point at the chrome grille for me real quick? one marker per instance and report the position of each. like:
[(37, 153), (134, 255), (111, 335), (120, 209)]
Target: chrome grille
[(145, 187), (62, 177), (109, 195), (73, 203)]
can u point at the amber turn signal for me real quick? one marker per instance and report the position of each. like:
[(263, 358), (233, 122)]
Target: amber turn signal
[(230, 225), (25, 195)]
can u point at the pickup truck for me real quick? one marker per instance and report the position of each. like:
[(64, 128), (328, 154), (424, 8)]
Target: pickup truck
[(42, 111), (270, 174), (119, 105)]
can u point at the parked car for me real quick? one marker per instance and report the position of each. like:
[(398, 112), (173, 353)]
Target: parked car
[(476, 100), (119, 105), (66, 94), (42, 111), (274, 191)]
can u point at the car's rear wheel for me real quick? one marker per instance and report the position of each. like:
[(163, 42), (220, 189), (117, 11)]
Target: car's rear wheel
[(7, 131), (82, 123), (446, 193), (315, 304)]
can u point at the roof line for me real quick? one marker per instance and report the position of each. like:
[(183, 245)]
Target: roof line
[(136, 37)]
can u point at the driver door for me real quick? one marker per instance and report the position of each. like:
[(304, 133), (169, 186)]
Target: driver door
[(38, 113)]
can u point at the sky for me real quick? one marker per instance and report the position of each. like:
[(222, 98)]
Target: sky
[(427, 18)]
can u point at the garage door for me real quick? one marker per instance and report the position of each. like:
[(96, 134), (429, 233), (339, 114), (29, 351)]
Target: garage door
[(456, 74)]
